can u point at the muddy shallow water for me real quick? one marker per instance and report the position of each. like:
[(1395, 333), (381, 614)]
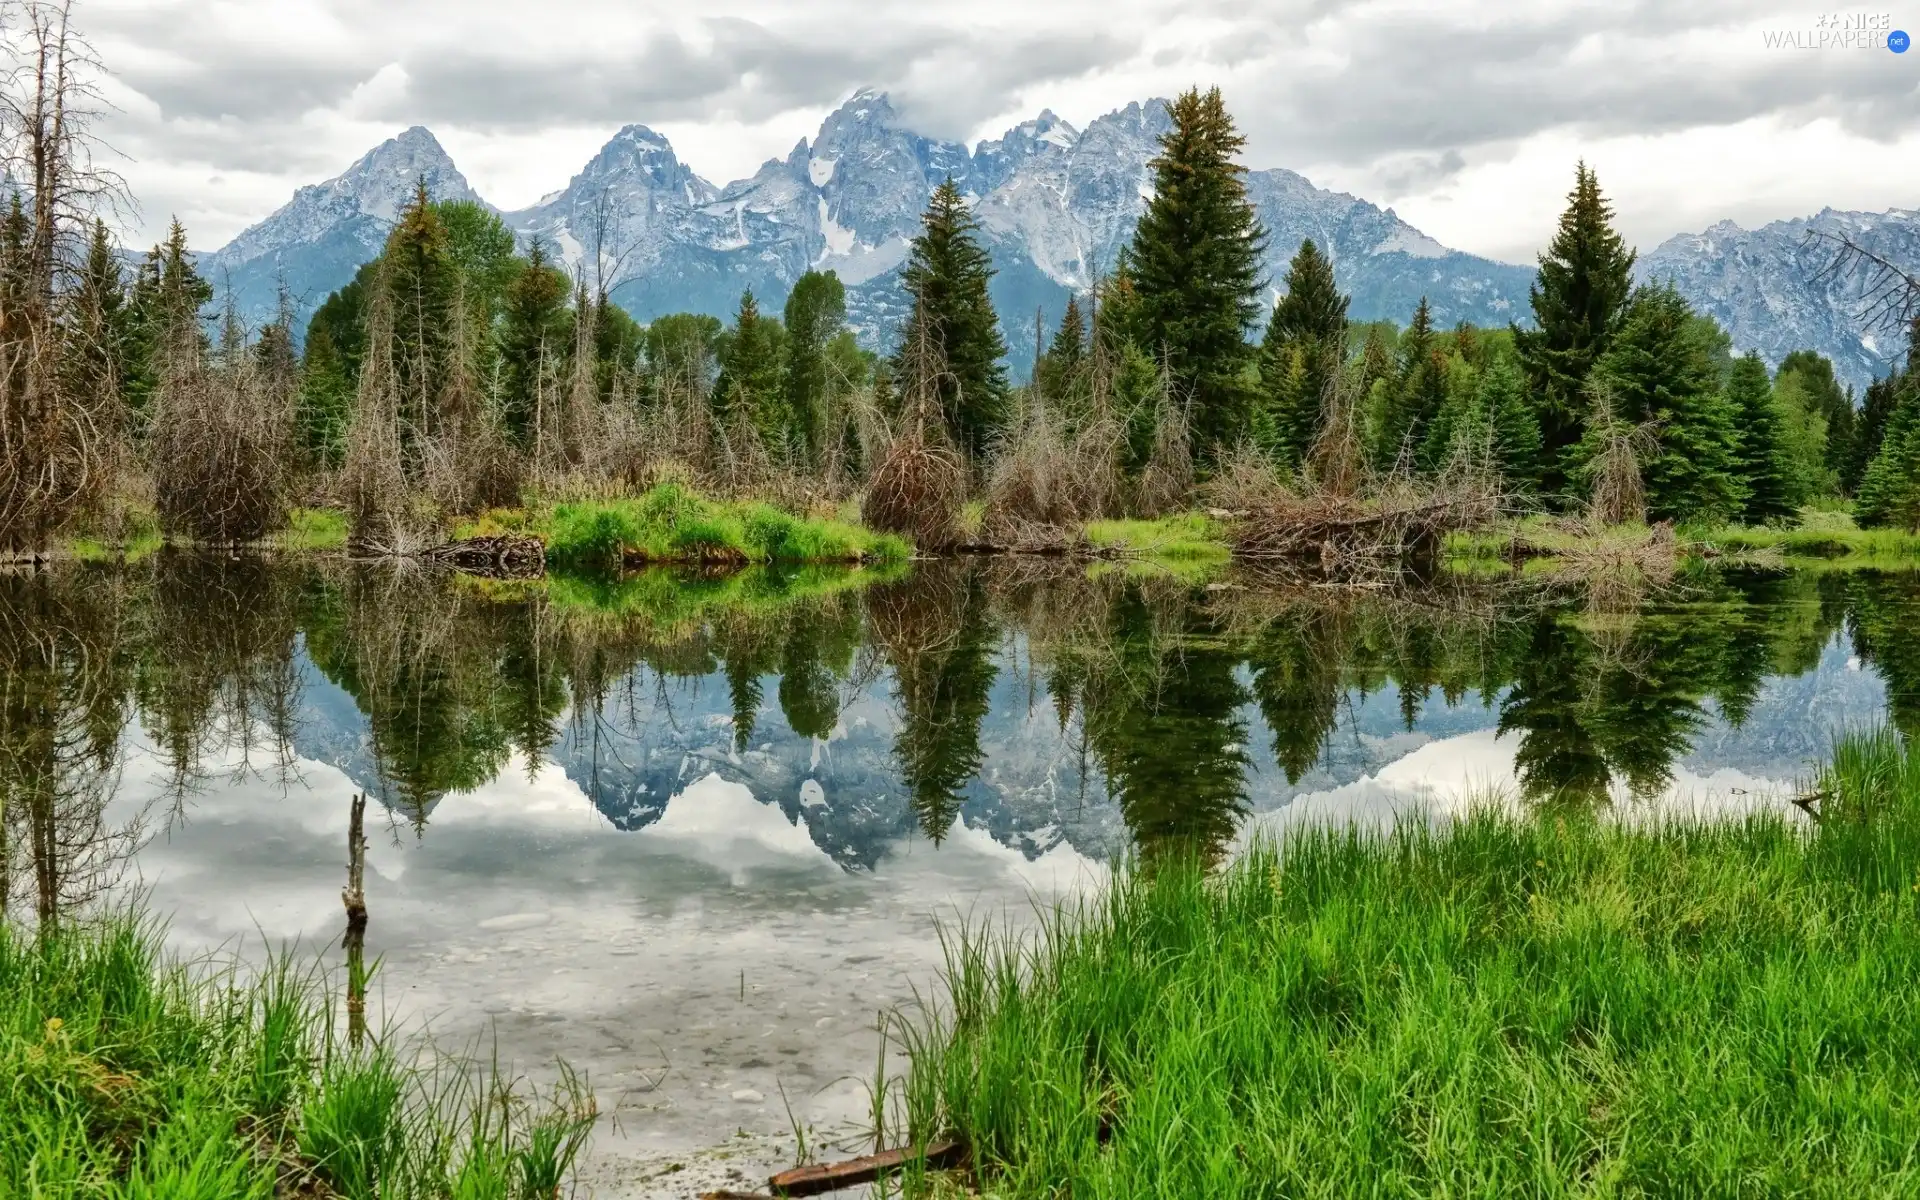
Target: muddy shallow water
[(692, 836)]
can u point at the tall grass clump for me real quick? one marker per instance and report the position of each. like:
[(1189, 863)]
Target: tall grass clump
[(125, 1074), (670, 524), (1507, 1005)]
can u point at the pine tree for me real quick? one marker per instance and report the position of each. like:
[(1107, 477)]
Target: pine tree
[(1659, 369), (1414, 396), (100, 322), (946, 277), (1194, 269), (1516, 432), (1062, 377), (1889, 493), (750, 389), (1304, 349), (1579, 301), (1757, 462), (420, 282), (533, 342), (816, 310), (1883, 396)]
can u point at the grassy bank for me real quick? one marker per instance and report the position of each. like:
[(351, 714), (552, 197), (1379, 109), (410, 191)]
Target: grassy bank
[(1509, 1006), (670, 524), (1818, 536), (125, 1075)]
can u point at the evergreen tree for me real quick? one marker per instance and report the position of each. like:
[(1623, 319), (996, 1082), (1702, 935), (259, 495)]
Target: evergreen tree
[(946, 277), (681, 350), (1883, 396), (1757, 462), (1660, 369), (1413, 397), (1579, 299), (100, 321), (418, 275), (1304, 349), (816, 310), (1062, 376), (750, 388), (1194, 269), (1889, 494), (1825, 398), (1516, 431), (533, 342)]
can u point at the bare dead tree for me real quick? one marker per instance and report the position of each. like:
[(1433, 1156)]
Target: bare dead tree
[(1889, 293), (56, 438)]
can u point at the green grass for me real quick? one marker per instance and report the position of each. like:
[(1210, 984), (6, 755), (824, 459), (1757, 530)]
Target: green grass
[(313, 529), (123, 1074), (1823, 535), (1544, 1005), (670, 524), (1193, 537)]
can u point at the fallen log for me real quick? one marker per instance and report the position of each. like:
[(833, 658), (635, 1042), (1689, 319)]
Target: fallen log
[(831, 1177)]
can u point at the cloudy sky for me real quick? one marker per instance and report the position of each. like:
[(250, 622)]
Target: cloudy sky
[(1464, 116)]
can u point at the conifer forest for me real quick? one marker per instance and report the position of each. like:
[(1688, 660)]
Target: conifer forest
[(461, 740)]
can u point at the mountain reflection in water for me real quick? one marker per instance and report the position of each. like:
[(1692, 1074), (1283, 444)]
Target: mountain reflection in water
[(1110, 711)]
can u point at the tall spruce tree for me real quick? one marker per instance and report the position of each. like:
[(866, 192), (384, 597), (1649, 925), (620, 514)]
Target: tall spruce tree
[(1889, 495), (946, 276), (1062, 375), (1579, 300), (1194, 269), (1659, 368), (100, 322), (816, 310), (1303, 351), (750, 389), (533, 342), (1409, 401), (1516, 431), (418, 274), (1757, 460)]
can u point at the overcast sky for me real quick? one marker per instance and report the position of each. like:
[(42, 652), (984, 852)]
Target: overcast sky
[(1465, 117)]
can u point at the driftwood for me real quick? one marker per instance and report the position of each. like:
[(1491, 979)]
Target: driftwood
[(832, 1177), (502, 556)]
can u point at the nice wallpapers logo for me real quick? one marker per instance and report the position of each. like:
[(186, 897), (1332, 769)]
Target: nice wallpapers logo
[(1842, 31)]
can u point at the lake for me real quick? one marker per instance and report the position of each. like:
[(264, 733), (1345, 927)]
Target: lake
[(693, 833)]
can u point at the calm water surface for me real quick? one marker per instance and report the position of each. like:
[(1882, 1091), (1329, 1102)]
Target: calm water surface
[(692, 834)]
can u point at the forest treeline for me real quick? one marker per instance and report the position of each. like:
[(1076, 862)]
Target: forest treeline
[(461, 370)]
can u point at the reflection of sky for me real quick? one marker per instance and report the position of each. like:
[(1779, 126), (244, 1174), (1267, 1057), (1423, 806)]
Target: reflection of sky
[(693, 968), (701, 963)]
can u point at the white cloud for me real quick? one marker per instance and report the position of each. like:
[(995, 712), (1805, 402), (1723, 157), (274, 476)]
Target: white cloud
[(1464, 116)]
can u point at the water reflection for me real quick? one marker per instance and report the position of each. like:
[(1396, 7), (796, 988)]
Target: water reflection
[(1039, 705)]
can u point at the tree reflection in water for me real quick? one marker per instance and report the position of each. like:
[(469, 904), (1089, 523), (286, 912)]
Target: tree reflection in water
[(1160, 690)]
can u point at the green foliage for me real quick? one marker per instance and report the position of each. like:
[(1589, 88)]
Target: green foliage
[(1660, 368), (1193, 270), (946, 278), (1760, 463), (1304, 350), (1804, 448), (671, 524), (1064, 375), (816, 313), (1889, 492), (1408, 402), (751, 390), (1824, 399), (1494, 1006), (681, 352), (123, 1074), (1579, 300), (535, 338)]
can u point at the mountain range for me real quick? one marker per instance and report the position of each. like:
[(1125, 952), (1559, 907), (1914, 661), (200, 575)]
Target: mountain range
[(1055, 204)]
